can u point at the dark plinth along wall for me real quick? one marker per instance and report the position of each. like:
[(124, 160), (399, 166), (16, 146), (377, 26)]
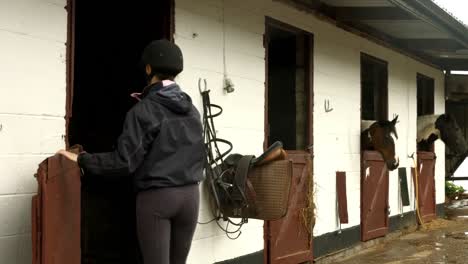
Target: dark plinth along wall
[(254, 258), (332, 242)]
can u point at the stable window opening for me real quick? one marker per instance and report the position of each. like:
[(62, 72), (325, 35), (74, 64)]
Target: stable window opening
[(288, 79), (425, 106), (425, 95), (374, 88)]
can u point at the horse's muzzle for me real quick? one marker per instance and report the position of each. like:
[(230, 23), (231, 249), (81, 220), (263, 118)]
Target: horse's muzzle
[(393, 164)]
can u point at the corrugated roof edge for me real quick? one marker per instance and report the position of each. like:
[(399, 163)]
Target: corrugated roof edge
[(430, 12), (450, 13)]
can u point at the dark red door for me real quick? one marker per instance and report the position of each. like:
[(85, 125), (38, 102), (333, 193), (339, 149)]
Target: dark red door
[(426, 185), (288, 118), (56, 213), (374, 196), (289, 240)]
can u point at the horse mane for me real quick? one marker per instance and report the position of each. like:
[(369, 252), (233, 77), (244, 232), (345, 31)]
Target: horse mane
[(426, 127)]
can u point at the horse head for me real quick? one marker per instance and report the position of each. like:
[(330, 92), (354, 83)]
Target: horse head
[(443, 127), (381, 136), (451, 134)]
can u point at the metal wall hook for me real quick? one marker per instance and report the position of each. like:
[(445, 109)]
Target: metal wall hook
[(205, 89), (327, 106)]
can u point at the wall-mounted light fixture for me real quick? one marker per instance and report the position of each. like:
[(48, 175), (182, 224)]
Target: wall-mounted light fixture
[(228, 85)]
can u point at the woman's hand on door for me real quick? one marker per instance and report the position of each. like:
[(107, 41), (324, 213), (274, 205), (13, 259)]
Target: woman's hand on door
[(68, 155)]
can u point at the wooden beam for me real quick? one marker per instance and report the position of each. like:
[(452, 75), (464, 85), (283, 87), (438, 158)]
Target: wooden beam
[(309, 4), (369, 30), (454, 64), (430, 44), (372, 13)]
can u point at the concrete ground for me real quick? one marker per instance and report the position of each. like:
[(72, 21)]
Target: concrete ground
[(440, 241)]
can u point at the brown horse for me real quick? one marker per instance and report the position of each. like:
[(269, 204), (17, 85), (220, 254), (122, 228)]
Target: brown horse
[(381, 136)]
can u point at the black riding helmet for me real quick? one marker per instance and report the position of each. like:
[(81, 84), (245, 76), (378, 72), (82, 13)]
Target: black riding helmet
[(164, 57)]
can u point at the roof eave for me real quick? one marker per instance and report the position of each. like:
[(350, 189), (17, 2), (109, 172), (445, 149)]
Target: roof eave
[(430, 12)]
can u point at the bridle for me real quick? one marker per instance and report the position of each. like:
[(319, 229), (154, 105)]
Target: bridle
[(215, 165)]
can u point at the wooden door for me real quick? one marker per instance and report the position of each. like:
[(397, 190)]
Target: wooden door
[(288, 118), (56, 213), (374, 196), (426, 185)]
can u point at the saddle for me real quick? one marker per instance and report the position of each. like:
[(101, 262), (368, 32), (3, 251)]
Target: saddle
[(243, 186), (256, 187)]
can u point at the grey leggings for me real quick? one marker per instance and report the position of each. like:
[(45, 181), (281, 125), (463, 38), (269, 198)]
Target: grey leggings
[(166, 222)]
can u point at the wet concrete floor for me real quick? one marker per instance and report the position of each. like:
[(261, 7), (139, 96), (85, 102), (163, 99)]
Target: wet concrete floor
[(441, 241)]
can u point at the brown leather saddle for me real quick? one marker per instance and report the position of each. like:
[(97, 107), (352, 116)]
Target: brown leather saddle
[(256, 187)]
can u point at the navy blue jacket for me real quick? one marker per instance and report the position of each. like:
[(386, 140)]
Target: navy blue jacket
[(161, 142)]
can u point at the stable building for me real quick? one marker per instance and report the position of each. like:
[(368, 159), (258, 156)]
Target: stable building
[(305, 72)]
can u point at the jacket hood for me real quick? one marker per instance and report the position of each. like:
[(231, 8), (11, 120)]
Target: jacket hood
[(172, 97)]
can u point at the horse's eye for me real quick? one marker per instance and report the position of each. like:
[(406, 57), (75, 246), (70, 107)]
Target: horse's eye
[(389, 139)]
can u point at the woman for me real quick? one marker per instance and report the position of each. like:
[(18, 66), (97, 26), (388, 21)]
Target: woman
[(161, 145)]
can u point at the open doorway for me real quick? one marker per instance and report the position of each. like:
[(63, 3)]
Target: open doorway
[(425, 106), (374, 172), (288, 88), (105, 45), (426, 158), (374, 88), (288, 115)]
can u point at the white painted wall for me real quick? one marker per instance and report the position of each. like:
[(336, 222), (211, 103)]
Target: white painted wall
[(336, 77), (242, 119), (32, 110)]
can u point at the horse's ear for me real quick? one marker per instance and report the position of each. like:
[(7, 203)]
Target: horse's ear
[(395, 120), (395, 132), (448, 116)]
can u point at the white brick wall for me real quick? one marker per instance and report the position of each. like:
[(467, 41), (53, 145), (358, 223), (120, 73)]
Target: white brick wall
[(243, 126), (32, 107), (336, 78)]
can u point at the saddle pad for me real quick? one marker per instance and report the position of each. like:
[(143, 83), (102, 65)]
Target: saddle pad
[(272, 183)]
